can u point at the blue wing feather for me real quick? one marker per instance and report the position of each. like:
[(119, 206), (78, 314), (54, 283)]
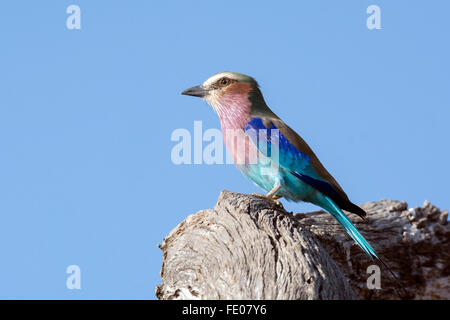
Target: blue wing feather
[(299, 165), (289, 157)]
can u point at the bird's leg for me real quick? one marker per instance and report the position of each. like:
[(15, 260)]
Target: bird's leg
[(271, 195)]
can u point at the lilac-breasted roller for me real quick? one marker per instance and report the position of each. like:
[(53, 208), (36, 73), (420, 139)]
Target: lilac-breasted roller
[(246, 120)]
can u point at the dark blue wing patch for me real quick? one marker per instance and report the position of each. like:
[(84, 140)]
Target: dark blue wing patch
[(287, 151), (320, 185), (291, 158), (299, 165)]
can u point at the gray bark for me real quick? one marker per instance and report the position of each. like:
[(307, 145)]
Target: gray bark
[(250, 248), (415, 243), (247, 248)]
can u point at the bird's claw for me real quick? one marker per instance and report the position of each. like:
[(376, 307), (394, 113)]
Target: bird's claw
[(272, 199)]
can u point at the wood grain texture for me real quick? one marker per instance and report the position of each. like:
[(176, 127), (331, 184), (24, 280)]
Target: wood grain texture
[(414, 242), (249, 248)]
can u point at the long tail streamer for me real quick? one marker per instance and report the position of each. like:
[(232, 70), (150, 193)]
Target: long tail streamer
[(349, 227)]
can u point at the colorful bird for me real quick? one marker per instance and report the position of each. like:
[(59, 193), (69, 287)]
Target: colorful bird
[(287, 168)]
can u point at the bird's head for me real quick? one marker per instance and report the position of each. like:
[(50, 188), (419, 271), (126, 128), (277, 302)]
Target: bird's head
[(227, 92)]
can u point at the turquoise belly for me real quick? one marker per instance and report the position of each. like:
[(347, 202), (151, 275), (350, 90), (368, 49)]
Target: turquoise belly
[(292, 188)]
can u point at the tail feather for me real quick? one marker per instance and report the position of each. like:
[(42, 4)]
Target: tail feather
[(353, 208), (345, 222)]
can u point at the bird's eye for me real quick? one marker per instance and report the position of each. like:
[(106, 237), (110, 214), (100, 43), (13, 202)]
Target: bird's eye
[(224, 81)]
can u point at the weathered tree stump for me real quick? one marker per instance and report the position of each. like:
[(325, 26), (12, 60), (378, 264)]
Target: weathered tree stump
[(415, 243), (249, 248)]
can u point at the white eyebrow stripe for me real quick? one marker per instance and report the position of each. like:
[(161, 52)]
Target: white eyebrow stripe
[(230, 75)]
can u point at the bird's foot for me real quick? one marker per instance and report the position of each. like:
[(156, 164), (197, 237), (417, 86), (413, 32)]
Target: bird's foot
[(271, 199)]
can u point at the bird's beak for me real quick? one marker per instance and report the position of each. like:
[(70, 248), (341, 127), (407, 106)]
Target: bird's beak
[(197, 91)]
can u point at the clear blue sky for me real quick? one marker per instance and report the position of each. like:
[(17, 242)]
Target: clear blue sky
[(86, 117)]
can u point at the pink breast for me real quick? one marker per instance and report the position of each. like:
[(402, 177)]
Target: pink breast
[(233, 108)]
